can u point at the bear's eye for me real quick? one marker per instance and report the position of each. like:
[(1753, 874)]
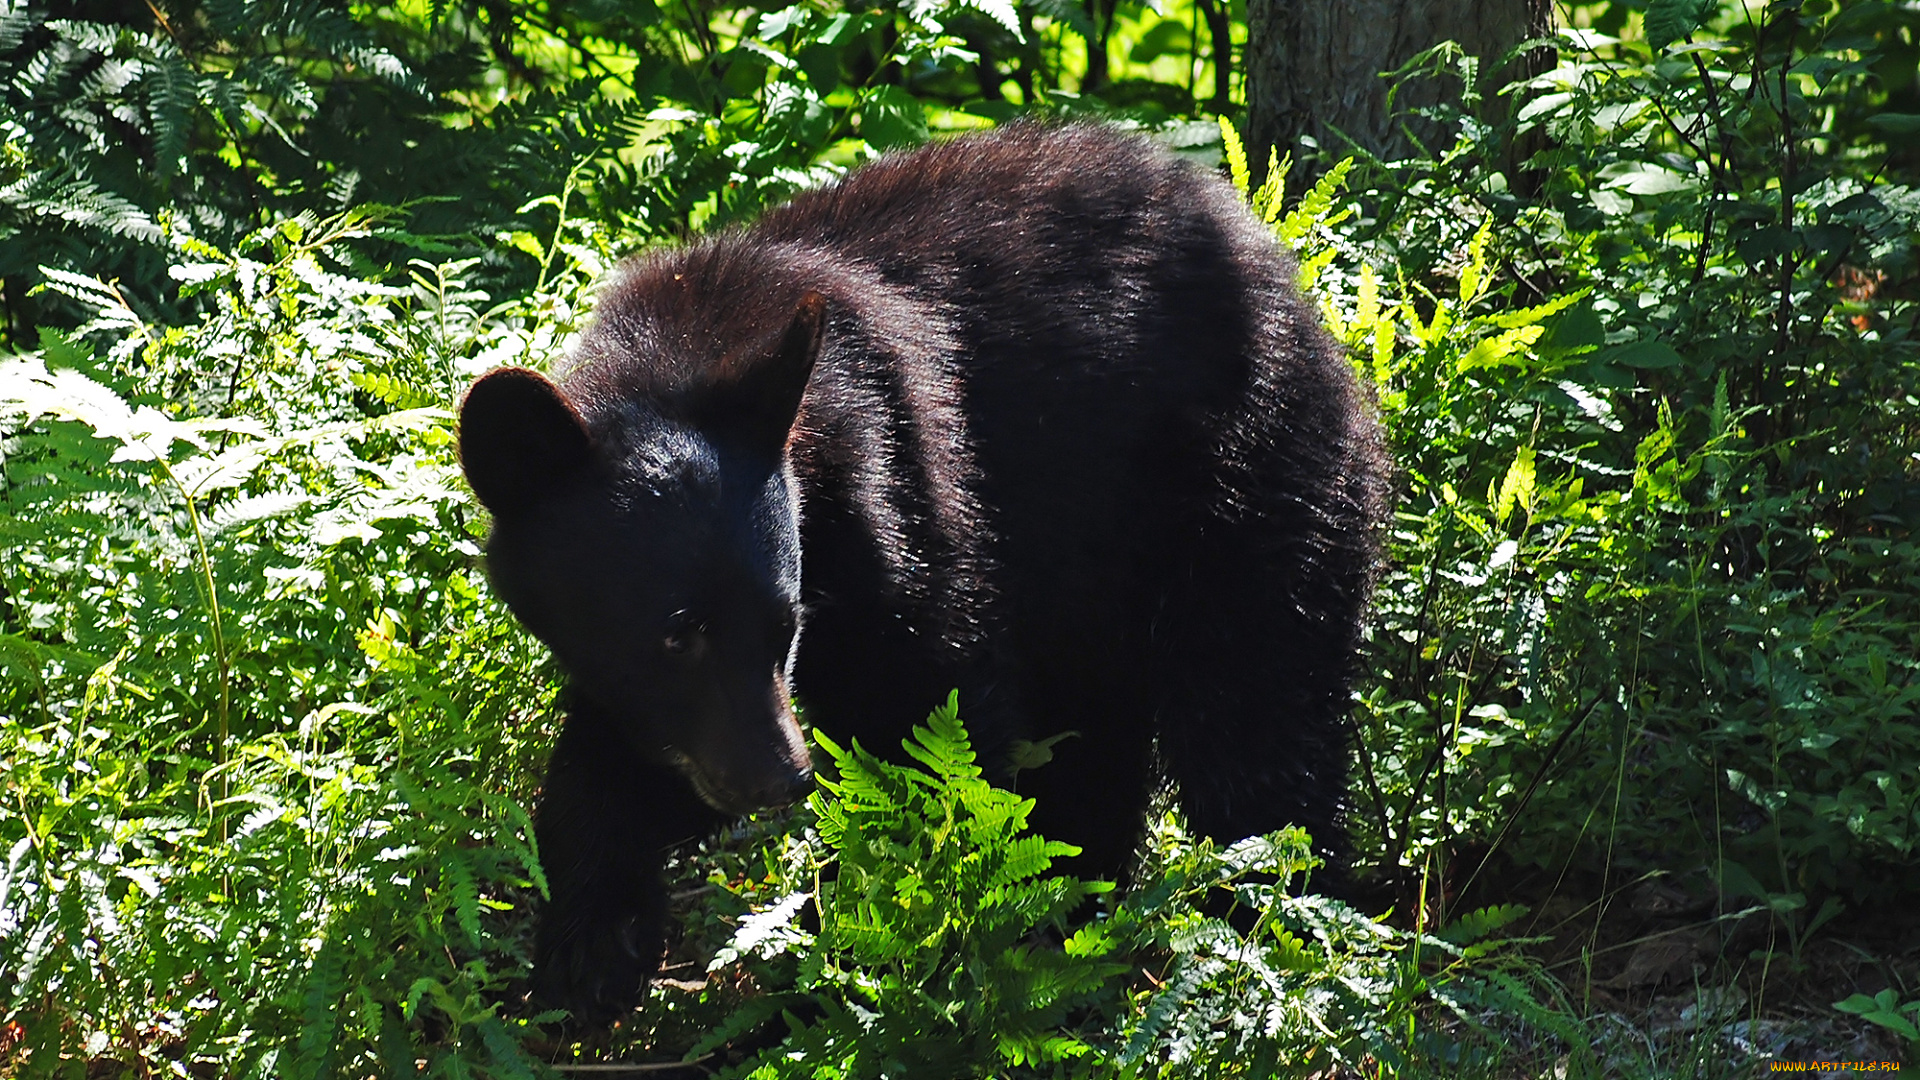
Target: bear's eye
[(685, 644), (685, 640)]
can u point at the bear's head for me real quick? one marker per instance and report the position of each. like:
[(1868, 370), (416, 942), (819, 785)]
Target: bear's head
[(652, 541)]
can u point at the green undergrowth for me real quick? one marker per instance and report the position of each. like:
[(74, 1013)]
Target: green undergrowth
[(1644, 351), (268, 741), (1651, 604), (940, 945)]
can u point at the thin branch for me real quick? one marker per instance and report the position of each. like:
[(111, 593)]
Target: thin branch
[(636, 1067)]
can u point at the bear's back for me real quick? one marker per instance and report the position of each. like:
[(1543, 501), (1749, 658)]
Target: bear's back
[(990, 195), (1129, 340), (1070, 249)]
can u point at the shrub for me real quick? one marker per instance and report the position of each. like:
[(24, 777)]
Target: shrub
[(267, 737)]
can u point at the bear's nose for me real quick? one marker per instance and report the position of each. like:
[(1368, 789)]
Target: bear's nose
[(788, 789), (762, 784)]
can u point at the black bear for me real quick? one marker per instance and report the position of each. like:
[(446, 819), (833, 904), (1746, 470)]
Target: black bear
[(1038, 414)]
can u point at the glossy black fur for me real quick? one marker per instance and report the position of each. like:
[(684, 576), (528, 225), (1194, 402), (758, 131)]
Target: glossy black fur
[(1067, 439)]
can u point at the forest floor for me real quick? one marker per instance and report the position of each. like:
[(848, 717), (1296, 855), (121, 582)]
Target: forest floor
[(1693, 976)]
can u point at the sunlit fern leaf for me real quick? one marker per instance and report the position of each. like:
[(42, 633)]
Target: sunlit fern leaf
[(64, 194), (743, 1020), (941, 743), (278, 82), (391, 389), (1000, 11), (256, 508), (516, 841), (1025, 857), (1267, 201), (226, 98), (329, 32), (15, 21), (32, 659), (1236, 152), (1316, 207)]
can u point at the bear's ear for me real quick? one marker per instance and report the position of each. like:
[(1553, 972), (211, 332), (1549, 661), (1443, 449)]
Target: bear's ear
[(519, 437), (758, 410)]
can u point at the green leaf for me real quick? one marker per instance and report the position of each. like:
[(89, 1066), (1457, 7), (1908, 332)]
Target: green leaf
[(1028, 754), (1736, 880), (1668, 21), (1316, 209), (891, 118), (1646, 178), (1529, 316), (1765, 242), (509, 1060), (1883, 1009), (1517, 487), (457, 878), (1473, 274), (1168, 36), (1071, 14), (1579, 329), (1895, 123), (1000, 11), (1290, 953), (1646, 355), (775, 24), (844, 28), (27, 657), (1477, 924), (1509, 346), (821, 64)]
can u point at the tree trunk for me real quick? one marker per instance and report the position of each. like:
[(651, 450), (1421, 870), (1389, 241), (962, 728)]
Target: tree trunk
[(1314, 69), (1100, 14), (1220, 33)]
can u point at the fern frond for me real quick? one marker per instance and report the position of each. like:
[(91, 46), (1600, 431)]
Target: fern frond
[(320, 1014), (1236, 152), (391, 389), (1165, 1007), (509, 1060), (1477, 924), (172, 95), (941, 743), (1316, 207), (66, 195)]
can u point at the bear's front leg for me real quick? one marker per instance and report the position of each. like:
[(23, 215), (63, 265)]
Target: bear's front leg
[(606, 820)]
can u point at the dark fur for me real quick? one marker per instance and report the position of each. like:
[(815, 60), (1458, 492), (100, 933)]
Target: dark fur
[(1070, 441)]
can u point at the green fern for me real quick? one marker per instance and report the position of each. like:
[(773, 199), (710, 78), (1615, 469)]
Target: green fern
[(391, 390), (173, 95), (61, 194), (1477, 924), (320, 1012)]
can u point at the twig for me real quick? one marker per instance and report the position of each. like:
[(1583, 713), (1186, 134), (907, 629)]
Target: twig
[(1546, 765), (636, 1067), (1373, 792)]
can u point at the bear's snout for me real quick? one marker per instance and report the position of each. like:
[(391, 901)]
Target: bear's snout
[(784, 790), (741, 766), (737, 787)]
